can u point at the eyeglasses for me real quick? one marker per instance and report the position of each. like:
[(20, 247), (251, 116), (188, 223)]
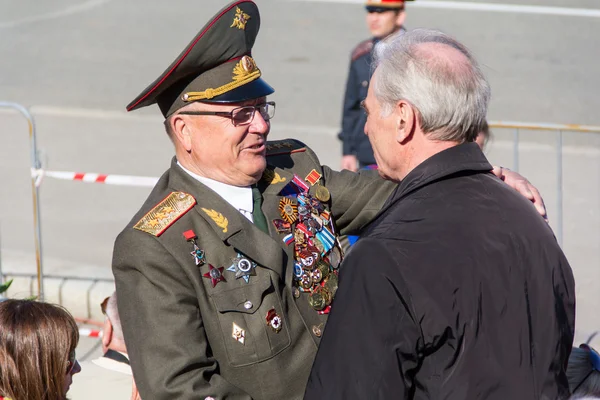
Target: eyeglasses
[(72, 361), (242, 115)]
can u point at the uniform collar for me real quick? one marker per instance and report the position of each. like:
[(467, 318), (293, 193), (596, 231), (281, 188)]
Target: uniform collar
[(240, 197)]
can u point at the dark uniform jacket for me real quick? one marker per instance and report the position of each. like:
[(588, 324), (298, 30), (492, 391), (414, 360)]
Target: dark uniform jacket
[(458, 290), (352, 135), (354, 141), (180, 330)]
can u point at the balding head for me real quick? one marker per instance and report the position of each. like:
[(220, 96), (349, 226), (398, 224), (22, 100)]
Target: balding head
[(112, 313), (439, 77)]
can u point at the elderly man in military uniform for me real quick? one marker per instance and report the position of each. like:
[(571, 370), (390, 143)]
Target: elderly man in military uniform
[(384, 17), (226, 275)]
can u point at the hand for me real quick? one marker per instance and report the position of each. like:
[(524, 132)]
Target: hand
[(350, 162), (135, 395), (523, 186)]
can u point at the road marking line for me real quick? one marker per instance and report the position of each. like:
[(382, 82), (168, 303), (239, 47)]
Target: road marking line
[(492, 7), (70, 10)]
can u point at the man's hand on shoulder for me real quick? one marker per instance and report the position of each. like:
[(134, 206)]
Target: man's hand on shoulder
[(523, 186)]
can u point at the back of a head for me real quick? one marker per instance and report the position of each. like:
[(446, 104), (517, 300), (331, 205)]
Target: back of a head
[(583, 372), (439, 77), (112, 313), (36, 340)]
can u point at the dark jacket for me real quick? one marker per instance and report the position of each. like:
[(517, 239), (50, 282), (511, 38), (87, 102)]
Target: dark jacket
[(458, 290), (354, 141), (179, 324)]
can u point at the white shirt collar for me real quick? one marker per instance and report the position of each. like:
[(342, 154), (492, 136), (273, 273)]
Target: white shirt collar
[(240, 197)]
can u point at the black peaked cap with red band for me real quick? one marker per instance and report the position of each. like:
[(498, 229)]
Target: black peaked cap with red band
[(384, 5), (215, 67)]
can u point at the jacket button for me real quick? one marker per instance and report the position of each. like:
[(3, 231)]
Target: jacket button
[(317, 331), (248, 305), (365, 83), (209, 398), (296, 292)]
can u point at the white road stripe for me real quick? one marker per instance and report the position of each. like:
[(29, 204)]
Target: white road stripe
[(70, 10), (490, 7)]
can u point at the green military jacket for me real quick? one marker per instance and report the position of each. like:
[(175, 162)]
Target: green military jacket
[(190, 337)]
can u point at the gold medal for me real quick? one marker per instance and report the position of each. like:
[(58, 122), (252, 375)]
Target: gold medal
[(316, 300), (323, 267), (322, 193), (306, 281), (332, 284)]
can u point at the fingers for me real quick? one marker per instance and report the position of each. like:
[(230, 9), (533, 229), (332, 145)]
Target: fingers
[(498, 172)]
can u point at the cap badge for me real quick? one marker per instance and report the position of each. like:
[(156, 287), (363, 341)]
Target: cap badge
[(245, 69), (240, 19)]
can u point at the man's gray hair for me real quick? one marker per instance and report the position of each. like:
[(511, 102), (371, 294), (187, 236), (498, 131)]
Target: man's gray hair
[(451, 99)]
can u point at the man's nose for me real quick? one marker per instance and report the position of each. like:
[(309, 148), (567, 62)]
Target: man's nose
[(259, 125)]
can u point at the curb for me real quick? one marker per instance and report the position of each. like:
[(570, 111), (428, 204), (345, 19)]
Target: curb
[(81, 296)]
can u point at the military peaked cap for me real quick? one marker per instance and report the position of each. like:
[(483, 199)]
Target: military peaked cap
[(384, 5), (215, 67)]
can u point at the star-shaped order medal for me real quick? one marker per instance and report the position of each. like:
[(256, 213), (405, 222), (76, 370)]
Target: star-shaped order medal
[(215, 275), (198, 253), (243, 267)]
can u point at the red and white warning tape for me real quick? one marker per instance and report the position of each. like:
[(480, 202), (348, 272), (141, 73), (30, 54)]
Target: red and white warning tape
[(84, 332), (121, 180)]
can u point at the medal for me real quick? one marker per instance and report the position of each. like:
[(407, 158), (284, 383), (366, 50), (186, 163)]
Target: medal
[(274, 320), (317, 299), (243, 267), (335, 257), (306, 281), (238, 333), (313, 177), (282, 226), (288, 209), (331, 284), (215, 275), (322, 193), (198, 254)]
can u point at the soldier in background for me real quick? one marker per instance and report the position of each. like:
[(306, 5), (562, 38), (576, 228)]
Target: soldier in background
[(384, 17)]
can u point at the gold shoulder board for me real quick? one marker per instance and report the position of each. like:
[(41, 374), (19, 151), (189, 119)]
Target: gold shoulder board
[(165, 213)]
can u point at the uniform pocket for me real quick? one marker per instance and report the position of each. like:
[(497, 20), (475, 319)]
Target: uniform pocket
[(246, 308)]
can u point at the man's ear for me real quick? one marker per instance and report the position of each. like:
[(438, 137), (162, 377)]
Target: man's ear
[(405, 122), (181, 132), (400, 18)]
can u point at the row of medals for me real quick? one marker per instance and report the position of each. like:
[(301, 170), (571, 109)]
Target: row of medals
[(315, 268)]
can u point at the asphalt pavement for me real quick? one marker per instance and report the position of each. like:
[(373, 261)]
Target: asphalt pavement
[(76, 64)]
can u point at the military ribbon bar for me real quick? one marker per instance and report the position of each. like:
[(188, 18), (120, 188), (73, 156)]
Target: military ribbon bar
[(289, 238), (327, 238), (300, 183)]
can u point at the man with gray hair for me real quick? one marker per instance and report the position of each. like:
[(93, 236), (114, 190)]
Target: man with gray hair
[(458, 289)]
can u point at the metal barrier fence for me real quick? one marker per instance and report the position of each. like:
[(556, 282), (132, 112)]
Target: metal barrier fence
[(38, 173), (35, 165), (558, 129)]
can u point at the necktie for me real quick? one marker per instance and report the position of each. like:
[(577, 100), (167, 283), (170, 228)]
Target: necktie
[(257, 214)]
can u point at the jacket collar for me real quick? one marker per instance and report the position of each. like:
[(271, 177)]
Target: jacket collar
[(228, 223), (464, 157)]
